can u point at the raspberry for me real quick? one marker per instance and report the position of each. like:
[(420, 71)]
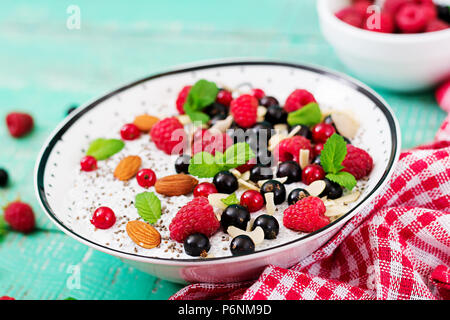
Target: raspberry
[(443, 96), (181, 99), (430, 11), (411, 18), (247, 166), (209, 142), (289, 149), (297, 99), (20, 217), (392, 6), (197, 216), (244, 109), (436, 25), (6, 298), (307, 215), (362, 7), (357, 162), (169, 136), (351, 16), (384, 23), (19, 124)]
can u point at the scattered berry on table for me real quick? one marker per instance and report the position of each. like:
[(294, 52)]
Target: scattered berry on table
[(322, 131), (130, 132), (312, 173), (235, 215), (357, 162), (3, 178), (20, 217), (197, 216), (260, 172), (197, 244), (296, 195), (332, 190), (204, 189), (225, 182), (19, 124), (181, 99), (103, 218), (298, 99), (252, 200), (268, 101), (168, 135), (307, 215), (224, 97), (258, 93), (242, 245), (244, 110), (6, 298), (269, 224), (88, 163), (275, 114), (146, 178), (289, 149), (182, 163), (291, 170), (277, 188)]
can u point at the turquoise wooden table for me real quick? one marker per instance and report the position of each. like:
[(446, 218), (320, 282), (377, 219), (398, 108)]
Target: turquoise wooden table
[(46, 66)]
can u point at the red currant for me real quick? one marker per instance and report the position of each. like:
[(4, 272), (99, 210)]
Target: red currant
[(252, 200), (88, 163), (103, 218), (322, 131), (317, 149), (258, 93), (204, 189), (130, 132), (146, 178), (224, 97), (312, 173)]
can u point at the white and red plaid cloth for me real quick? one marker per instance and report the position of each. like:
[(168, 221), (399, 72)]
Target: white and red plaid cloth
[(396, 248)]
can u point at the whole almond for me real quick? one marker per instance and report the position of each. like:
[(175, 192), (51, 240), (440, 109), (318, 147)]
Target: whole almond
[(143, 234), (176, 185), (127, 168), (145, 122)]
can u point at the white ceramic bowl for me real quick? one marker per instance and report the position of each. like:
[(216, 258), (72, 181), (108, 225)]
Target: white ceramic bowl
[(60, 154), (403, 62)]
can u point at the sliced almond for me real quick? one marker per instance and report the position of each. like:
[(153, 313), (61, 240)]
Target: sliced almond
[(345, 123), (275, 140), (270, 203), (145, 122), (352, 197), (303, 158), (280, 180), (245, 176), (127, 168), (256, 235), (336, 210), (281, 128), (184, 119), (222, 125), (260, 113), (316, 188), (250, 225), (215, 199), (248, 185), (176, 185), (143, 234), (294, 131), (236, 173)]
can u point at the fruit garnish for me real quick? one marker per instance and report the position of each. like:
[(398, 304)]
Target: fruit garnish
[(102, 149), (148, 206), (103, 218), (308, 115), (88, 164), (20, 217), (231, 199), (176, 185), (146, 178), (201, 95), (127, 168), (19, 124), (143, 234)]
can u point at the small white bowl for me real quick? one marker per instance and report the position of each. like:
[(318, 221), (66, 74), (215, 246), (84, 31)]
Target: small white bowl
[(401, 62)]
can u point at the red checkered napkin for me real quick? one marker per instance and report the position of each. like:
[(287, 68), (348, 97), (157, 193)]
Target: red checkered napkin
[(398, 247)]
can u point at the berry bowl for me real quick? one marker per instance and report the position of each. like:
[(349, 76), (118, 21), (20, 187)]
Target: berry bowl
[(128, 211), (399, 62)]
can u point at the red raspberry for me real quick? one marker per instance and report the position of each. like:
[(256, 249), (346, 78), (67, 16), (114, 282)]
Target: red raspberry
[(169, 136), (436, 25), (181, 99), (19, 124), (298, 99), (442, 95), (289, 149), (20, 217), (6, 298), (351, 16), (430, 11), (224, 97), (392, 6), (307, 215), (247, 166), (362, 7), (411, 18), (103, 218), (209, 142), (258, 93), (197, 216), (88, 164), (244, 109), (357, 162), (384, 24)]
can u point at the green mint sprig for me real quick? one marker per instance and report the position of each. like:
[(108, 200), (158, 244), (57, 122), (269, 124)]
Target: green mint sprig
[(205, 165), (201, 95), (148, 206), (102, 149), (308, 115), (331, 158)]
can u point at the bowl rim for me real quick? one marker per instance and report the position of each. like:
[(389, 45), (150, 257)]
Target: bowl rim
[(327, 15), (59, 131)]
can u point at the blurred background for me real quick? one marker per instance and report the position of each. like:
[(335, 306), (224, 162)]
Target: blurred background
[(46, 66)]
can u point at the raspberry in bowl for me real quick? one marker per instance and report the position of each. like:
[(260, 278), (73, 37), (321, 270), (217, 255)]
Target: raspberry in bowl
[(189, 199), (402, 45)]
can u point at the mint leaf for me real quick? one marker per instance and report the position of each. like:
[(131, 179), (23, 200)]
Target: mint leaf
[(203, 165), (333, 153), (237, 155), (3, 226), (201, 95), (343, 178), (231, 199), (102, 149), (148, 206), (196, 116), (308, 115)]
